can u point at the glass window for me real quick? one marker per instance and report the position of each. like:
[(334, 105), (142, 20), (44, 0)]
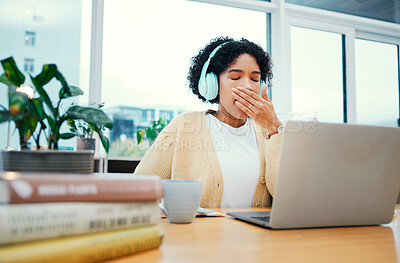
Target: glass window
[(29, 65), (145, 65), (30, 38), (40, 32), (317, 75), (166, 115), (377, 83)]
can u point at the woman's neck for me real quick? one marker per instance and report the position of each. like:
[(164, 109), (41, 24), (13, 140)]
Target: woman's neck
[(223, 115)]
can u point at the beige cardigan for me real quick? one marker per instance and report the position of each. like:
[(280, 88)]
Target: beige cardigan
[(185, 150)]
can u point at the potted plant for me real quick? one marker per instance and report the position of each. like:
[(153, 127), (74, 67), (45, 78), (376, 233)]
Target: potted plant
[(84, 131), (37, 115), (151, 132)]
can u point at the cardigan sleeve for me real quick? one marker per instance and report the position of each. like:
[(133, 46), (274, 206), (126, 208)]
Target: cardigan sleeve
[(272, 149), (158, 159)]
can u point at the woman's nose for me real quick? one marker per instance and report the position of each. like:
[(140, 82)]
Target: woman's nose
[(247, 85)]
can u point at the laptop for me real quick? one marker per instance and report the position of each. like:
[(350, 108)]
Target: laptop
[(332, 175)]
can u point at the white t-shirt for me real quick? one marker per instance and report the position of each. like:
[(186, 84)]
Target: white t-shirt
[(238, 156)]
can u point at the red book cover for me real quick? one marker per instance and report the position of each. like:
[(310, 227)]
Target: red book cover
[(38, 188)]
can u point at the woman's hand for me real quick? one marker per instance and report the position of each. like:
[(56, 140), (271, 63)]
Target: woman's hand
[(260, 109)]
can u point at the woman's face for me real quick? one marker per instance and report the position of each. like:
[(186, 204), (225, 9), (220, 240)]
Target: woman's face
[(244, 73)]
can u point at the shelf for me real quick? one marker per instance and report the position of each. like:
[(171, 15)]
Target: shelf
[(115, 164)]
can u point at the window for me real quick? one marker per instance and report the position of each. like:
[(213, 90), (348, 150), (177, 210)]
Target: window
[(144, 66), (30, 38), (160, 38), (317, 75), (147, 115), (122, 127), (377, 83), (166, 115), (29, 65), (64, 30)]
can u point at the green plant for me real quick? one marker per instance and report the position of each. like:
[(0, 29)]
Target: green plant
[(32, 116), (151, 132), (81, 128)]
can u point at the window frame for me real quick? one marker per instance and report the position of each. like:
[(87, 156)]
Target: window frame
[(352, 27), (348, 33), (282, 15), (387, 40)]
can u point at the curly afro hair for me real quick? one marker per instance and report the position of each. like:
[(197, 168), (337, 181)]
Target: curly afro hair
[(225, 57)]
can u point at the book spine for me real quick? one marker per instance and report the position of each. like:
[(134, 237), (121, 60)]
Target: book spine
[(85, 248), (27, 222), (37, 189)]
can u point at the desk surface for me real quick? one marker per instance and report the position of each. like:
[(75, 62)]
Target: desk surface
[(223, 239)]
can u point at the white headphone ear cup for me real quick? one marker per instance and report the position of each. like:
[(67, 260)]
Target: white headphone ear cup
[(202, 87), (212, 86)]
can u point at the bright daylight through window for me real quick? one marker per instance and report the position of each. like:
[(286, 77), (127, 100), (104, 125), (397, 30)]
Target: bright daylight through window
[(147, 47), (317, 75), (38, 32), (377, 83)]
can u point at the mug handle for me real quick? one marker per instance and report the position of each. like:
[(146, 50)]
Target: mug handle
[(161, 205)]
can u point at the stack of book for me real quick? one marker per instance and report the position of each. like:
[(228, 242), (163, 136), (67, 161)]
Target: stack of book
[(77, 218)]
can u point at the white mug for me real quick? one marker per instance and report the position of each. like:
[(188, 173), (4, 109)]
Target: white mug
[(181, 200)]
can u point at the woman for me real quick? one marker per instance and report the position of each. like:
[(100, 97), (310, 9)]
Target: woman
[(233, 150)]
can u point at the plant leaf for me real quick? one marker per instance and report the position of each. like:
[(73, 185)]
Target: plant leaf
[(38, 108), (65, 89), (139, 136), (103, 138), (12, 73), (49, 71), (17, 101), (151, 134), (90, 115), (51, 121), (4, 79), (75, 91), (6, 116), (29, 124), (67, 135), (72, 124), (43, 94)]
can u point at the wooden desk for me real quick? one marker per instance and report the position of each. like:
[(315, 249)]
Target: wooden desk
[(228, 240)]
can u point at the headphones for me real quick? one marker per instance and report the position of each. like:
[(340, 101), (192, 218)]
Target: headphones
[(208, 83)]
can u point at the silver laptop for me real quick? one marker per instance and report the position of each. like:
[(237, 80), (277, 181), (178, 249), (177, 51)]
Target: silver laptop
[(333, 175)]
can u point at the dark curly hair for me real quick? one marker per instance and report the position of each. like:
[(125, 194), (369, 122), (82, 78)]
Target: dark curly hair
[(225, 57)]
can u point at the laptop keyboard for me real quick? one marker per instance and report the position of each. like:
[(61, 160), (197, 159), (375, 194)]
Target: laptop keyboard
[(261, 218)]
